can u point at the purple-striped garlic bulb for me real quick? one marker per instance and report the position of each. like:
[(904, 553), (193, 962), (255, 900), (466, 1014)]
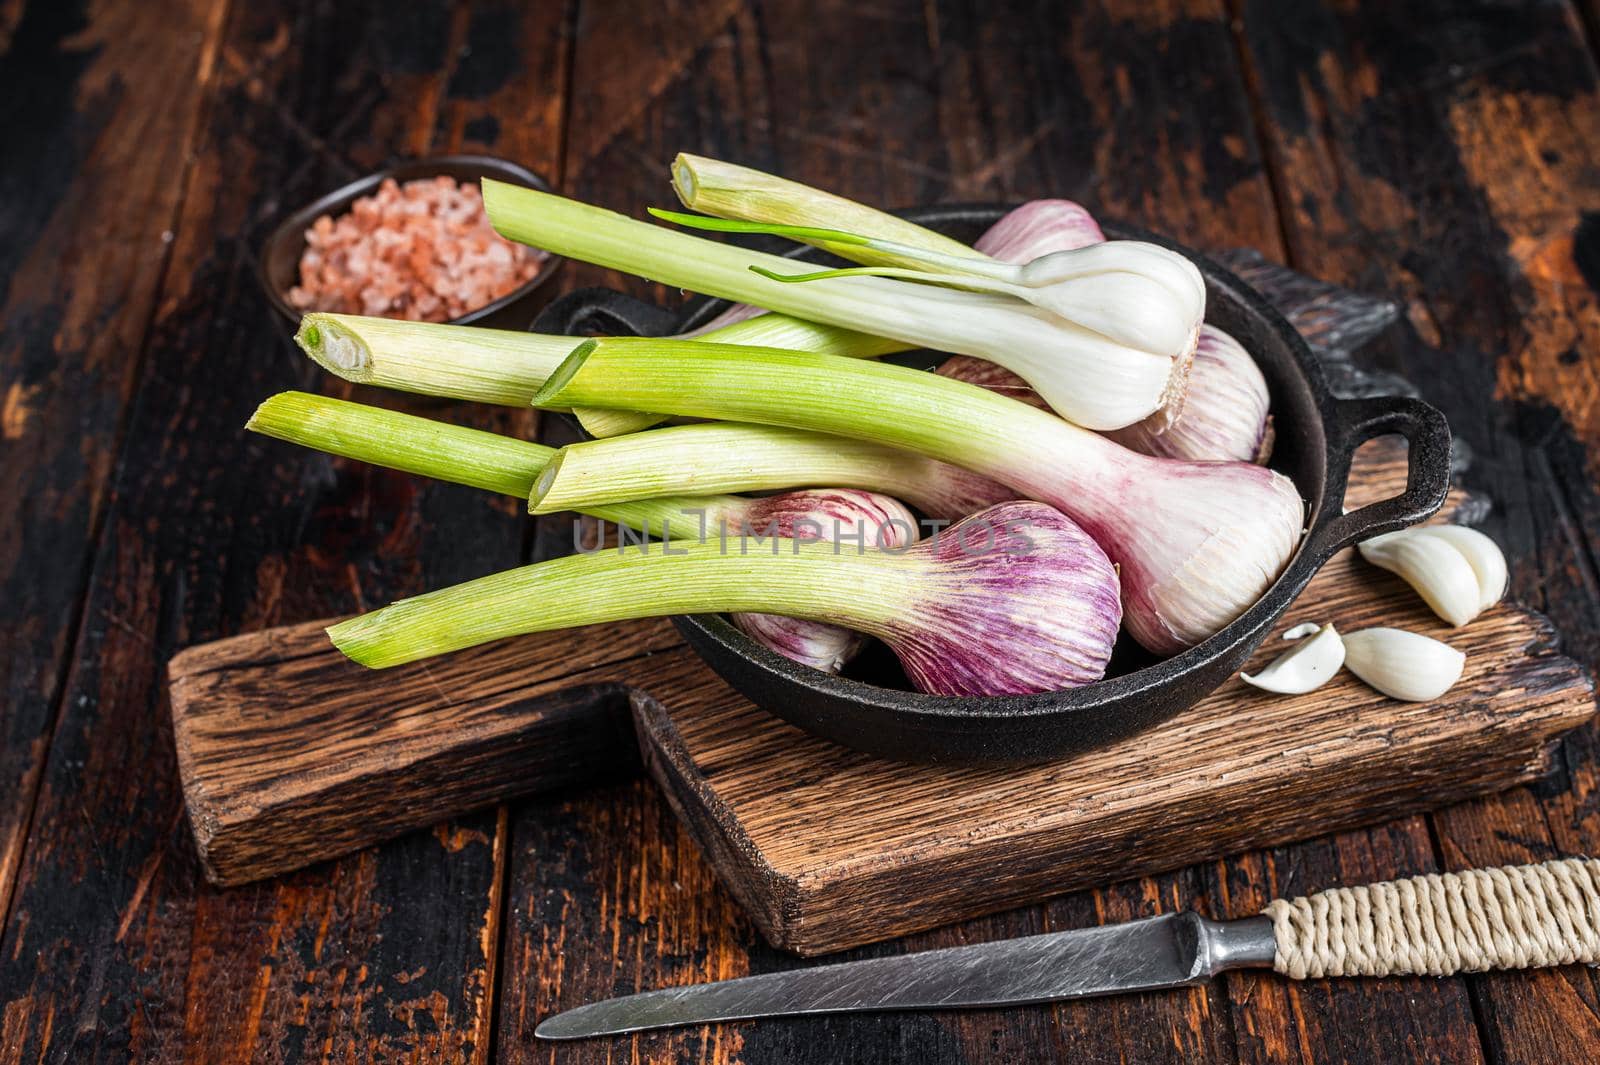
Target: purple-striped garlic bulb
[(1013, 600), (855, 520)]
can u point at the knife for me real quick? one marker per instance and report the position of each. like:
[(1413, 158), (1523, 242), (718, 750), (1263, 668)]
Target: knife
[(1513, 917)]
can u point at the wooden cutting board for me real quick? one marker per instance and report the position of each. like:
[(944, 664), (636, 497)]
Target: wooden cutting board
[(288, 754)]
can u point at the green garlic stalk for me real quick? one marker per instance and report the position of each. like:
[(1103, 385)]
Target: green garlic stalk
[(763, 330), (726, 190), (1088, 378), (1015, 599), (467, 456), (505, 465), (733, 457), (1198, 542), (506, 367)]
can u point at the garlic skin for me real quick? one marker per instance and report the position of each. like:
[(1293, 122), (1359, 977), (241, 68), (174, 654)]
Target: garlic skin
[(1014, 600), (1403, 665), (1224, 415), (884, 524), (1039, 227), (1305, 667), (811, 643), (1458, 572), (1205, 562)]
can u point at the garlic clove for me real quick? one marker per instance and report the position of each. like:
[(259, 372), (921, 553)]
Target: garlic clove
[(1306, 666), (1483, 555), (1302, 630), (1457, 571), (1403, 665), (1434, 569)]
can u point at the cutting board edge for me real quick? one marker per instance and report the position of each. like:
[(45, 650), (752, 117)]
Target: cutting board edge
[(769, 897), (821, 911)]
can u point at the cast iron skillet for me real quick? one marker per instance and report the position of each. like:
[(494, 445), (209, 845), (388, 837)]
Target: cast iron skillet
[(1316, 437)]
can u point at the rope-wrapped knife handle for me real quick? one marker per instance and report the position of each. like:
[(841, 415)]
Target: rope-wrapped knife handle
[(1514, 917)]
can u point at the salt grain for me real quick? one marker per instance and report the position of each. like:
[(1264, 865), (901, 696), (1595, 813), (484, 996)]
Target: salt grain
[(423, 251)]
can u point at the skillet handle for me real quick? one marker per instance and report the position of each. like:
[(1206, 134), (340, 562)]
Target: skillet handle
[(604, 312), (1427, 468)]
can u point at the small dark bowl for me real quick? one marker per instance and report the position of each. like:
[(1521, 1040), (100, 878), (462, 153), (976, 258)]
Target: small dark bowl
[(278, 266), (1316, 436)]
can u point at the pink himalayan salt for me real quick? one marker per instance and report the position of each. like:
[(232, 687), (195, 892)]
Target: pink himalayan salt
[(423, 251)]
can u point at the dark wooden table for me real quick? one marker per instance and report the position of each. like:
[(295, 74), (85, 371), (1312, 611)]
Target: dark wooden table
[(1445, 154)]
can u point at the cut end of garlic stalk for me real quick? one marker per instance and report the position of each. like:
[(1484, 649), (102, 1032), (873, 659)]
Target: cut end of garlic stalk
[(683, 179), (1458, 572), (334, 348), (1303, 668), (1403, 665), (564, 373)]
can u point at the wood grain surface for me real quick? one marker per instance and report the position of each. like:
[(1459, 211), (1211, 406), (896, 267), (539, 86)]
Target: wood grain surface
[(288, 752), (1441, 153)]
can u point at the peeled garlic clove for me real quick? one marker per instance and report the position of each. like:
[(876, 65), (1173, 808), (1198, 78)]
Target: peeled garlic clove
[(1403, 665), (1488, 562), (1433, 566), (1301, 631), (1305, 667)]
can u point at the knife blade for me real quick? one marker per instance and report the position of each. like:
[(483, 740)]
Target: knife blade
[(1510, 917), (1174, 950)]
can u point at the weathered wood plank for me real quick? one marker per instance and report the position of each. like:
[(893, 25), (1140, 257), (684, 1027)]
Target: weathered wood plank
[(115, 949), (101, 106), (1444, 154), (289, 752)]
